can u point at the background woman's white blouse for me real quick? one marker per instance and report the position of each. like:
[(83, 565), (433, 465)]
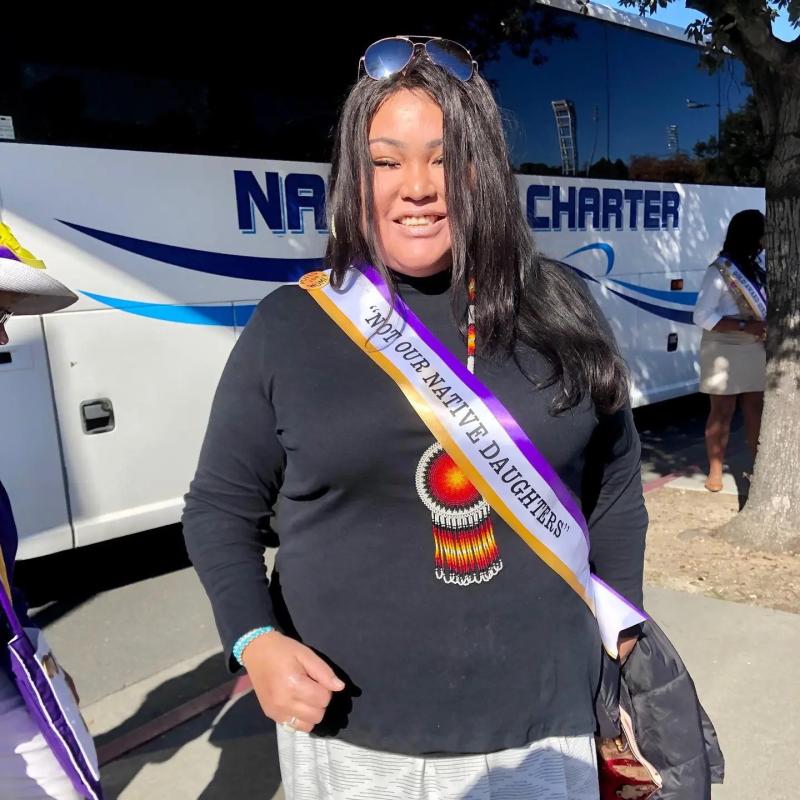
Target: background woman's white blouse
[(714, 301)]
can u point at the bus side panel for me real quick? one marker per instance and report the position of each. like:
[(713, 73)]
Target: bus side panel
[(629, 241), (121, 227), (30, 458), (168, 275), (663, 361), (149, 240), (158, 380)]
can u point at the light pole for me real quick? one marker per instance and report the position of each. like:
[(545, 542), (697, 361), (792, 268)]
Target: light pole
[(693, 104)]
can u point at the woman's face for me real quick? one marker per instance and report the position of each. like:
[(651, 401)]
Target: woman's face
[(405, 141)]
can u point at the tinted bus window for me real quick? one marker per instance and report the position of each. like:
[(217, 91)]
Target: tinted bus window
[(221, 97), (664, 103), (589, 98), (582, 96), (563, 60)]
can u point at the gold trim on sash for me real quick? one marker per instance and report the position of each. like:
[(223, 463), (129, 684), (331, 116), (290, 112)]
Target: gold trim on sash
[(4, 575)]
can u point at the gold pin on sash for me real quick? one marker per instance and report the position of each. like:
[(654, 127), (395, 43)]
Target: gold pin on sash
[(314, 280)]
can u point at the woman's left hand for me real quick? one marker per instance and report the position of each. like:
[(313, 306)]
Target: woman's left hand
[(625, 646)]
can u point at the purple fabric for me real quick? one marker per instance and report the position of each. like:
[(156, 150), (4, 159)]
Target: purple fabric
[(44, 707), (526, 447), (5, 252), (619, 596)]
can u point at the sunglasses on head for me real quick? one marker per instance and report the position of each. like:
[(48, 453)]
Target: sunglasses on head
[(389, 57)]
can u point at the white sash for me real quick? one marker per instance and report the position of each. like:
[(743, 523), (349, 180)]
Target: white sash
[(740, 284), (478, 433)]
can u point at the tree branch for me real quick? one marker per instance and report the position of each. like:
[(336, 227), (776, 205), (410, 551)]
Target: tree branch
[(753, 23)]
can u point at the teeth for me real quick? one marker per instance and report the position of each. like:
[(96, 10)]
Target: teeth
[(414, 221)]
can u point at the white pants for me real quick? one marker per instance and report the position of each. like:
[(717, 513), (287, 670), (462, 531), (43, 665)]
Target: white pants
[(28, 768), (558, 768)]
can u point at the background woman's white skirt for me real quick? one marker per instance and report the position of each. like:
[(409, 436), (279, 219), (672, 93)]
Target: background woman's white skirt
[(731, 363)]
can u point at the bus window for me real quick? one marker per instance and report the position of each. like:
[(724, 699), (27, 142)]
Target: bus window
[(666, 107), (589, 98), (583, 96), (181, 101), (562, 60)]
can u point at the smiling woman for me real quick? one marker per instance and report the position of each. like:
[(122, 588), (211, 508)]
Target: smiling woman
[(416, 610), (406, 142)]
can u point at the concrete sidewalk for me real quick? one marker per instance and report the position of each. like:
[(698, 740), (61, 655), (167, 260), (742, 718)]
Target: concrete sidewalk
[(742, 658)]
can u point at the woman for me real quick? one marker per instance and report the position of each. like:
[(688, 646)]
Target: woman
[(409, 627), (731, 310), (29, 769)]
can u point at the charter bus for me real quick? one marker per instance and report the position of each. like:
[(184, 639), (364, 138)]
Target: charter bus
[(175, 176)]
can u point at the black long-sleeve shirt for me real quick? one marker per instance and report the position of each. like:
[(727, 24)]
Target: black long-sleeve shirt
[(431, 667)]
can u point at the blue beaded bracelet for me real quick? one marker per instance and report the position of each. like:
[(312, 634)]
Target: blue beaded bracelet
[(243, 641)]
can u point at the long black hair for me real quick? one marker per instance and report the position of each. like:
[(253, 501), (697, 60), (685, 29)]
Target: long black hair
[(743, 242), (521, 297)]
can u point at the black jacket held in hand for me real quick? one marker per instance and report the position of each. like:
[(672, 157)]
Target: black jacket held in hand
[(672, 729)]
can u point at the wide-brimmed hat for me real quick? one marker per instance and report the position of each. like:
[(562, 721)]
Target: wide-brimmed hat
[(25, 286)]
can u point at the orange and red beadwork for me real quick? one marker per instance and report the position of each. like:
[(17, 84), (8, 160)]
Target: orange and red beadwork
[(465, 550)]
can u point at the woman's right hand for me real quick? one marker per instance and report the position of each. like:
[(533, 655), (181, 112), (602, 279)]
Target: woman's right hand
[(757, 327), (292, 683)]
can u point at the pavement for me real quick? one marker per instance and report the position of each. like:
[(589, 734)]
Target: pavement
[(742, 658)]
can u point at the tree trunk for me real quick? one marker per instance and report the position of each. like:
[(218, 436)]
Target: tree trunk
[(771, 518)]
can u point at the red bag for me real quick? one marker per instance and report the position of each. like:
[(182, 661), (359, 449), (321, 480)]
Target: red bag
[(625, 774)]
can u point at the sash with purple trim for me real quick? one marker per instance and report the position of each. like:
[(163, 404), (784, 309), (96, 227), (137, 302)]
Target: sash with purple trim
[(49, 699), (477, 432), (750, 297)]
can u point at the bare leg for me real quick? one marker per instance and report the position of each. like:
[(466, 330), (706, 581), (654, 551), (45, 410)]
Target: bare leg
[(718, 428), (752, 406)]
